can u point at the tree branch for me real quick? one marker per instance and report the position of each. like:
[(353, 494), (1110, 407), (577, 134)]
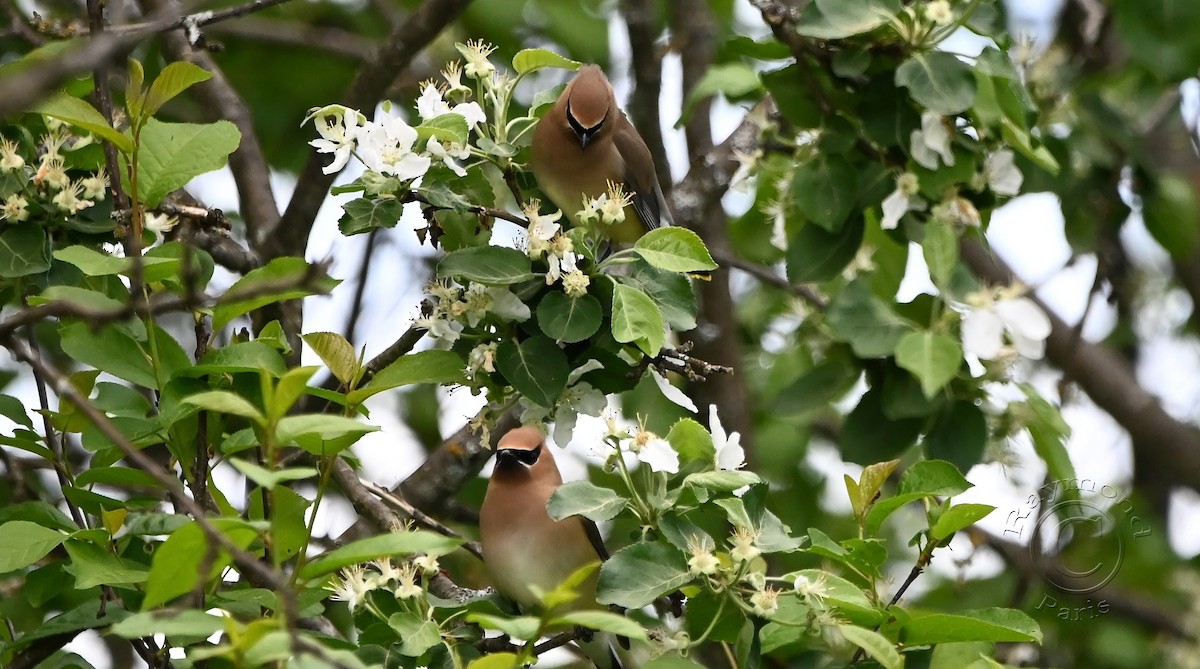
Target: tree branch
[(641, 18)]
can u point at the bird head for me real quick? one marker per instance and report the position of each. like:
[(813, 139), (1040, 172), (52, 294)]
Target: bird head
[(590, 103), (522, 450)]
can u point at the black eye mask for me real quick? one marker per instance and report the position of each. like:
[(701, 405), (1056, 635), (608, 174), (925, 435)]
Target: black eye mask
[(526, 457)]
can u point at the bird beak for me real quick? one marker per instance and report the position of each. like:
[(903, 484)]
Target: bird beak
[(584, 138)]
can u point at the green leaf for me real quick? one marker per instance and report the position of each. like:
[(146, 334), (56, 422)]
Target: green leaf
[(175, 567), (735, 79), (603, 621), (640, 573), (1171, 213), (223, 401), (417, 635), (364, 214), (293, 277), (92, 566), (24, 250), (723, 480), (958, 517), (337, 354), (172, 154), (173, 80), (326, 426), (636, 319), (939, 81), (933, 477), (521, 627), (815, 254), (825, 190), (247, 356), (110, 350), (864, 491), (25, 543), (941, 251), (868, 436), (959, 435), (671, 292), (859, 318), (289, 390), (269, 478), (532, 60), (932, 358), (12, 409), (489, 265), (82, 114), (187, 623), (537, 368), (1020, 139), (672, 660), (569, 319), (384, 545), (495, 661), (448, 128), (79, 297), (875, 644), (581, 498), (692, 442), (433, 366), (675, 249), (838, 19), (993, 624), (94, 263)]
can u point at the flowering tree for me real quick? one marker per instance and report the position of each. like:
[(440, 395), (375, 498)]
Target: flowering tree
[(720, 353)]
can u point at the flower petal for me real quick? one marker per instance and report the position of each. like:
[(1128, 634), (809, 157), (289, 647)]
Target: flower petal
[(671, 392), (982, 333)]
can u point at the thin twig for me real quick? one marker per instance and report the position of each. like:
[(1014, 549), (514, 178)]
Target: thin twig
[(421, 517)]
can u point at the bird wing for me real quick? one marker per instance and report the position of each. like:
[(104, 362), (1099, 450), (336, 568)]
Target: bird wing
[(593, 535), (640, 179)]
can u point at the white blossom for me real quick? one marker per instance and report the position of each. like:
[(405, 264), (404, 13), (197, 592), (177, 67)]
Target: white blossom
[(777, 210), (612, 210), (352, 588), (745, 546), (575, 283), (931, 141), (938, 12), (428, 564), (449, 154), (765, 602), (702, 561), (95, 186), (160, 223), (441, 328), (984, 326), (561, 259), (68, 199), (16, 208), (506, 305), (476, 52), (656, 452), (671, 392), (730, 454), (338, 131), (407, 586), (1002, 174), (431, 105), (747, 161), (901, 201), (10, 159), (541, 229), (386, 146), (481, 358), (453, 76)]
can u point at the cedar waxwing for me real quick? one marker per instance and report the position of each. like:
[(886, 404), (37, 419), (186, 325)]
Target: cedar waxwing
[(523, 546), (584, 142)]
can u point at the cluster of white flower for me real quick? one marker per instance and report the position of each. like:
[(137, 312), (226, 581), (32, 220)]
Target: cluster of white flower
[(660, 456), (388, 145), (49, 180), (404, 582), (546, 239), (457, 308)]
